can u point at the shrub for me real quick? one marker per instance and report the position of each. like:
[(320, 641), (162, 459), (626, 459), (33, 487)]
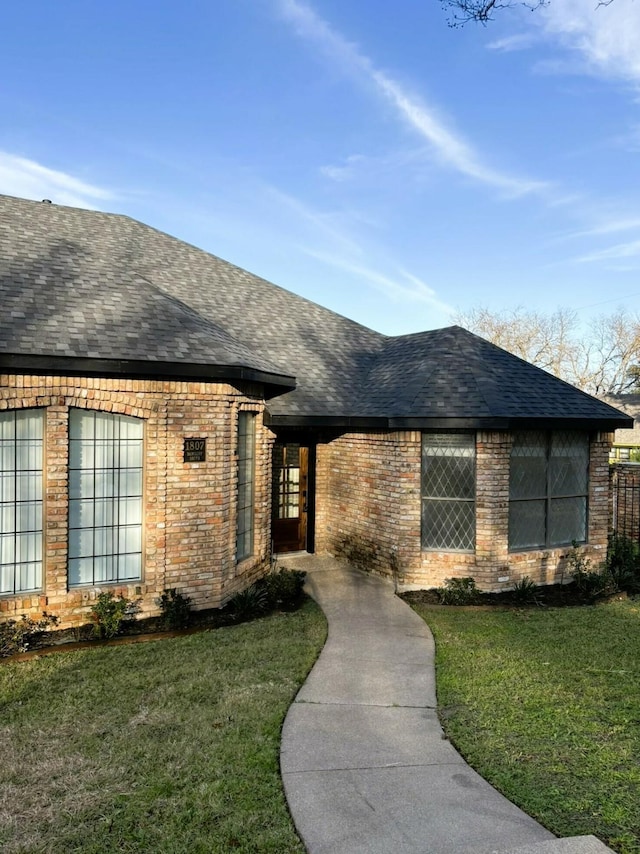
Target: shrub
[(589, 583), (176, 609), (525, 591), (108, 613), (284, 588), (458, 591), (250, 602), (17, 635), (623, 562)]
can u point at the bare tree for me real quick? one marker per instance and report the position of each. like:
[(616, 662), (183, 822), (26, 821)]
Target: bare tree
[(461, 12), (603, 359)]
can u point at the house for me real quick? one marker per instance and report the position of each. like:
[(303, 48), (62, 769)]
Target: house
[(167, 419), (626, 443)]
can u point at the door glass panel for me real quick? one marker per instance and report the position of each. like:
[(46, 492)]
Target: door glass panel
[(288, 467)]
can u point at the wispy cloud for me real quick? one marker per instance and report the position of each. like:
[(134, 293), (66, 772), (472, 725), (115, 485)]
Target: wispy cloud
[(612, 226), (607, 37), (405, 288), (30, 180), (346, 170), (450, 148), (519, 41), (613, 253), (323, 223)]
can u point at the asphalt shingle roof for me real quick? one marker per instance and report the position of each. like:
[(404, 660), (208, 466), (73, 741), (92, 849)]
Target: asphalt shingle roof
[(88, 285)]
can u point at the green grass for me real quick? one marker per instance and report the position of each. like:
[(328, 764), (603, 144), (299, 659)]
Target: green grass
[(165, 747), (545, 704)]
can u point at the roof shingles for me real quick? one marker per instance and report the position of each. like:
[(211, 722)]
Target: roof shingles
[(89, 285)]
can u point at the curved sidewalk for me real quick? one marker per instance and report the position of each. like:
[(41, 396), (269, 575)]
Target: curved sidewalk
[(365, 764)]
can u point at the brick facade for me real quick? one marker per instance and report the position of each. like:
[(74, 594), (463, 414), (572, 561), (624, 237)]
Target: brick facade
[(189, 516), (368, 498), (368, 510)]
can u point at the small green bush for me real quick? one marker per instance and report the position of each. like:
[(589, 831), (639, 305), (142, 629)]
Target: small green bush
[(248, 603), (589, 583), (284, 588), (108, 613), (17, 635), (525, 591), (458, 591), (176, 609), (623, 563)]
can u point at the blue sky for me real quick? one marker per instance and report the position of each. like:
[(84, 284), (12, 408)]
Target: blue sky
[(362, 154)]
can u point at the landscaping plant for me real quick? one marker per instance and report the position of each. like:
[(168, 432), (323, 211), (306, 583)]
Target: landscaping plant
[(176, 609), (17, 635), (458, 591), (108, 613)]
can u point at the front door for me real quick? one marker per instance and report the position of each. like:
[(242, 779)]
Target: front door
[(290, 497)]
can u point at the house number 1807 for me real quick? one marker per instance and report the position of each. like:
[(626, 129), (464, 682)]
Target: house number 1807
[(195, 450)]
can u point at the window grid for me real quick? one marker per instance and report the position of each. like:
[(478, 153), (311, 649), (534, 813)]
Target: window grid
[(21, 500), (105, 498), (448, 492), (548, 489), (246, 484), (289, 483)]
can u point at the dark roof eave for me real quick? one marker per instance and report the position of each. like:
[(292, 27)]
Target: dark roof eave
[(448, 423), (142, 369), (353, 421)]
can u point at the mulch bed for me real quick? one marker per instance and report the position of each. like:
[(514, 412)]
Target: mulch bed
[(549, 596)]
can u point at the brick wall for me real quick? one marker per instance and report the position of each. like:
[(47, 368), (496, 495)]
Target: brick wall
[(189, 524), (368, 512)]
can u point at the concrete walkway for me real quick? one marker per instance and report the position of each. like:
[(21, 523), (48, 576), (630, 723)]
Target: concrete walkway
[(365, 764)]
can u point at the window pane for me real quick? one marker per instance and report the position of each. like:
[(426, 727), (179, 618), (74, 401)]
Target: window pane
[(528, 474), (548, 466), (28, 516), (448, 466), (7, 456), (21, 495), (448, 491), (7, 549), (130, 566), (448, 525), (568, 521), (569, 464), (527, 524), (245, 484), (29, 576), (105, 488), (81, 542), (80, 571), (81, 455)]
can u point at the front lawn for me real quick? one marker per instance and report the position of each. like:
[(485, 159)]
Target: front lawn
[(165, 747), (545, 704)]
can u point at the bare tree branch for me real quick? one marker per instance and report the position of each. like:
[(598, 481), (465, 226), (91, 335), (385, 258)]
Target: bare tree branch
[(461, 12), (603, 360)]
